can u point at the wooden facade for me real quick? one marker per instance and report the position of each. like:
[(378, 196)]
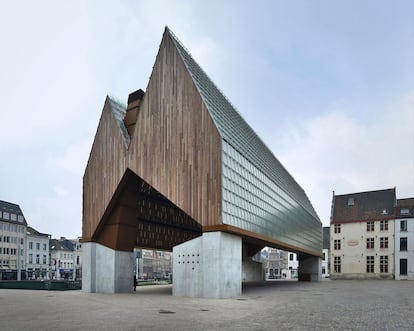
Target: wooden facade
[(174, 148), (154, 175)]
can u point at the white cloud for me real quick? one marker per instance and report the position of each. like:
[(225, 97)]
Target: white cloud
[(334, 152)]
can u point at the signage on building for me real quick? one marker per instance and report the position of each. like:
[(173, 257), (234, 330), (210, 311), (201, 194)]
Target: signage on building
[(352, 242), (65, 270)]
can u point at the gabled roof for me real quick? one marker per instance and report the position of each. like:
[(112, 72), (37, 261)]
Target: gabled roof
[(235, 130), (33, 232), (405, 208), (364, 206), (11, 208), (60, 245)]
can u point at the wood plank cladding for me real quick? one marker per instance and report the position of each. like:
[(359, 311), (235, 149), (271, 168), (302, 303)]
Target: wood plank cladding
[(106, 166), (174, 147)]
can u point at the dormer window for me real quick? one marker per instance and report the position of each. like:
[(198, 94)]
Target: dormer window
[(351, 201), (404, 211)]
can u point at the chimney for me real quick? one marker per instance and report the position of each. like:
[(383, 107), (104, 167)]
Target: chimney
[(134, 102)]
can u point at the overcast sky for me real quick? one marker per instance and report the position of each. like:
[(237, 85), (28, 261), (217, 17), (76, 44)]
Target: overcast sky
[(327, 85)]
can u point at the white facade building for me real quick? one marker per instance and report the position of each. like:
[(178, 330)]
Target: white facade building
[(404, 239), (293, 265), (62, 258), (276, 263), (365, 250), (12, 241), (37, 255), (362, 235)]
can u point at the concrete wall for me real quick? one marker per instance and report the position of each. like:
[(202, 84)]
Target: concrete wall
[(105, 270), (310, 268), (252, 270), (89, 267), (209, 266)]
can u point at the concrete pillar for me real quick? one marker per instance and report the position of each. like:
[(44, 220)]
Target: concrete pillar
[(252, 271), (208, 266), (105, 270), (310, 268)]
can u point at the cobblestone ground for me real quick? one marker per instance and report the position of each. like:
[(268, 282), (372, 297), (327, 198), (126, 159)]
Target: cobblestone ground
[(327, 305)]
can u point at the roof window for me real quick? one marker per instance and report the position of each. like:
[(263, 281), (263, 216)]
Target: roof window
[(404, 211), (351, 201)]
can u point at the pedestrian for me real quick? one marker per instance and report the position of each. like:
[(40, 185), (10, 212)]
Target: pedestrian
[(135, 283)]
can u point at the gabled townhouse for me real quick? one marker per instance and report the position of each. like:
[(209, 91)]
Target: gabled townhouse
[(62, 258), (37, 255), (276, 264), (362, 235)]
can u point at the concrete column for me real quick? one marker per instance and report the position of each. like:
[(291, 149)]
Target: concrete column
[(105, 270), (88, 267), (310, 268), (208, 266), (252, 271)]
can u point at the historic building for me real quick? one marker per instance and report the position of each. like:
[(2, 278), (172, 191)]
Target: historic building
[(293, 266), (179, 169), (12, 241), (153, 264), (62, 258), (37, 255), (362, 235), (404, 239), (276, 263)]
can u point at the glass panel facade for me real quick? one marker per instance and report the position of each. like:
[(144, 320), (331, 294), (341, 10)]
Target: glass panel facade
[(259, 195), (251, 201)]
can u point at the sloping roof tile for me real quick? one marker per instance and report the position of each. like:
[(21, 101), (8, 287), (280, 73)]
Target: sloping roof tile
[(12, 208), (363, 206)]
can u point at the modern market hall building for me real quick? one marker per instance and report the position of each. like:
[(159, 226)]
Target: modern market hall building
[(179, 169)]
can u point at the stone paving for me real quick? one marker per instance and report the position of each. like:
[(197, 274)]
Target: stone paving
[(278, 305)]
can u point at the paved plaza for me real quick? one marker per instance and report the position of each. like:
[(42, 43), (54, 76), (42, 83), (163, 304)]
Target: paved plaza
[(278, 305)]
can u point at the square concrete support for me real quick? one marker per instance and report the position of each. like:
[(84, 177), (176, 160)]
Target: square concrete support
[(105, 270), (208, 266), (310, 269), (252, 270)]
